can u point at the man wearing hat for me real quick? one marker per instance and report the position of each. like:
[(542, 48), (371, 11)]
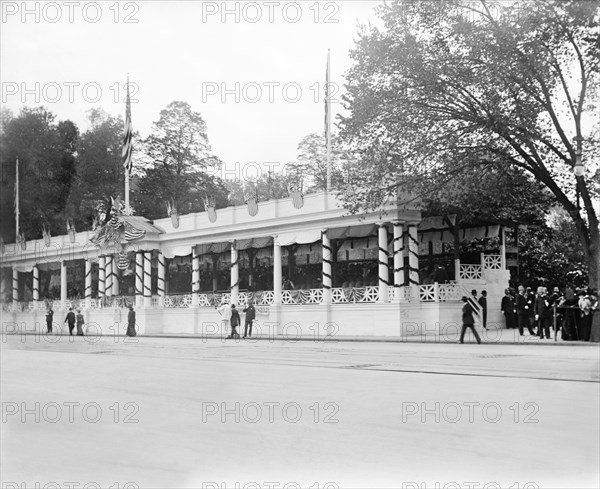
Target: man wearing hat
[(468, 320)]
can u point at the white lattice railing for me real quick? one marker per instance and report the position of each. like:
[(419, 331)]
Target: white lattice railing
[(492, 262), (470, 272), (178, 301), (450, 292)]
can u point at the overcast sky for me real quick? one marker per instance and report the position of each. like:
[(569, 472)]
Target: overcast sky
[(79, 54)]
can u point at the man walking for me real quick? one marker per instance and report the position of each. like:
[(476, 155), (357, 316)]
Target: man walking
[(235, 322), (468, 321), (225, 312), (70, 320), (250, 316)]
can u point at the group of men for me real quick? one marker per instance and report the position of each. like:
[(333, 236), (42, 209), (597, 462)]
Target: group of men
[(231, 317), (73, 319), (574, 311)]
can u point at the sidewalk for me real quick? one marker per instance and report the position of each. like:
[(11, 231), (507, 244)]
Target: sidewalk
[(489, 337)]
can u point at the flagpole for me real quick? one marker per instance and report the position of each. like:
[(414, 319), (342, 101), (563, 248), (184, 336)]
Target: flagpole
[(17, 202), (328, 121), (127, 147)]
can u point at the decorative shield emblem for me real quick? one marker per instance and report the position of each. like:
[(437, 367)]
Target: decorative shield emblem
[(46, 235), (22, 242), (71, 230), (296, 195), (210, 206), (252, 201), (172, 210)]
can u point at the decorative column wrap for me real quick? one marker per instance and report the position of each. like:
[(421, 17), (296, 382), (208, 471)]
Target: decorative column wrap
[(63, 283), (88, 284), (161, 275), (195, 276), (147, 278), (413, 255), (398, 261), (101, 276), (15, 285), (235, 274), (139, 278), (326, 270), (384, 270), (36, 283), (109, 276), (276, 272)]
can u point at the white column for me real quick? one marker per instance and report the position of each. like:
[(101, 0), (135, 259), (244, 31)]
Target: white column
[(148, 279), (398, 262), (276, 272), (161, 278), (15, 285), (115, 275), (36, 283), (88, 284), (63, 284), (384, 272), (503, 249), (235, 275), (139, 278), (101, 277), (195, 276), (413, 258), (326, 267), (109, 276)]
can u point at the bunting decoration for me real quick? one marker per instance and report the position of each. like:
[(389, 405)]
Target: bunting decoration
[(172, 211), (46, 236), (132, 233), (210, 206), (252, 201), (295, 191), (123, 261)]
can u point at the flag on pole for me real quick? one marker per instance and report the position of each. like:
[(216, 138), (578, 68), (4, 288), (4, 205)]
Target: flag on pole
[(127, 146), (17, 200), (328, 121)]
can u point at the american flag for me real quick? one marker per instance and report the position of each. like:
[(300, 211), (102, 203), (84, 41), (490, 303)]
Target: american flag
[(127, 146)]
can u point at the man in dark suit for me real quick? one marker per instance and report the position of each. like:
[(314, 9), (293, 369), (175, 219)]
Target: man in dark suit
[(468, 321), (49, 319), (543, 312), (523, 307), (70, 320), (483, 303), (250, 316), (507, 306)]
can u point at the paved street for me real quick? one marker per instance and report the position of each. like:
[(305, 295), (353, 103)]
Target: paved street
[(183, 412)]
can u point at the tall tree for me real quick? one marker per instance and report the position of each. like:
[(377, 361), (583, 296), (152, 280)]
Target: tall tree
[(177, 157), (46, 151), (453, 85)]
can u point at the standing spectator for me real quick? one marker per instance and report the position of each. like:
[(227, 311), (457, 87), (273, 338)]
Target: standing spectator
[(543, 313), (250, 316), (595, 333), (530, 302), (235, 321), (131, 322), (586, 306), (49, 319), (70, 320), (440, 275), (483, 303), (522, 306), (507, 306), (225, 312), (80, 323), (287, 284), (468, 321)]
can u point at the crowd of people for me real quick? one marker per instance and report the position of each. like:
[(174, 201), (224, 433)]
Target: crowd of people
[(571, 310)]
